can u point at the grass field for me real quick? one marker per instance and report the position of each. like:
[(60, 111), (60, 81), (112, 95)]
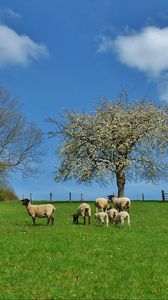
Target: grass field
[(67, 261)]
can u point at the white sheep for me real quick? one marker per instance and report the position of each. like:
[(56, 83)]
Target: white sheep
[(111, 214), (83, 210), (40, 211), (120, 217), (102, 217), (121, 203), (102, 204)]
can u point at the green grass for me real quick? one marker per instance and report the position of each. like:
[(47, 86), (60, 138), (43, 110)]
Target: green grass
[(67, 261)]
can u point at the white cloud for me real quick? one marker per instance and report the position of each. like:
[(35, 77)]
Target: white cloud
[(18, 50), (7, 12), (146, 50), (106, 45)]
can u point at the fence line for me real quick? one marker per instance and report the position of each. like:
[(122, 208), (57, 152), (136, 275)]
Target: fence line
[(164, 197)]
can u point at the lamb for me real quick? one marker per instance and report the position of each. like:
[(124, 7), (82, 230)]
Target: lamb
[(83, 210), (111, 214), (102, 217), (40, 211), (120, 217), (120, 204), (102, 204)]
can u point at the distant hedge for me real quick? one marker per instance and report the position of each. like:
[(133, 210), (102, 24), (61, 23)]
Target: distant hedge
[(7, 195)]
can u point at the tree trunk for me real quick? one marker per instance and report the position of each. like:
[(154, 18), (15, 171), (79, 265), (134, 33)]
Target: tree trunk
[(120, 179)]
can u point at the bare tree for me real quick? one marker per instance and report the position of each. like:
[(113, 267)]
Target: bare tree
[(119, 140), (20, 141)]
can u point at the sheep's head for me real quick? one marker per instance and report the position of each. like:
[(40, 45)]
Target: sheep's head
[(75, 218), (110, 197), (25, 201)]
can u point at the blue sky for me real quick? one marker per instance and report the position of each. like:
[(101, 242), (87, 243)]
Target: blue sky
[(67, 54)]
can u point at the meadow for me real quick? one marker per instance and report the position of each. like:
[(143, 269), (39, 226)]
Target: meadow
[(67, 261)]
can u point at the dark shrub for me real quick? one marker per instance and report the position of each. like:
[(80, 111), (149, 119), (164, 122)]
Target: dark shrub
[(7, 194)]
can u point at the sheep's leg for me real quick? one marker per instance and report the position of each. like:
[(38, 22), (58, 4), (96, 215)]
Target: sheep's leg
[(122, 222), (84, 220), (52, 220), (129, 222), (119, 223), (34, 219), (48, 221), (89, 219), (120, 208), (107, 221)]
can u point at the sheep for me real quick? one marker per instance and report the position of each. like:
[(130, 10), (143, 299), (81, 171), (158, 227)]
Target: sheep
[(102, 204), (111, 214), (120, 204), (39, 211), (102, 217), (83, 210), (120, 217)]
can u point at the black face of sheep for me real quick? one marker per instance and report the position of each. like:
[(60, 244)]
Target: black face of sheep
[(110, 197), (75, 219), (25, 201)]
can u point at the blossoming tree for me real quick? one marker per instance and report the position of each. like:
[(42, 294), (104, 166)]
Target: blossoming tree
[(119, 141)]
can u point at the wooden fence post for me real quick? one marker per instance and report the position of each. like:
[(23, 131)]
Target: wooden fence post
[(50, 196), (163, 196), (70, 198)]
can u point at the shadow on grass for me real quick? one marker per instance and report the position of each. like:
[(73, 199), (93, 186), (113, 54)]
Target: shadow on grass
[(36, 225)]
